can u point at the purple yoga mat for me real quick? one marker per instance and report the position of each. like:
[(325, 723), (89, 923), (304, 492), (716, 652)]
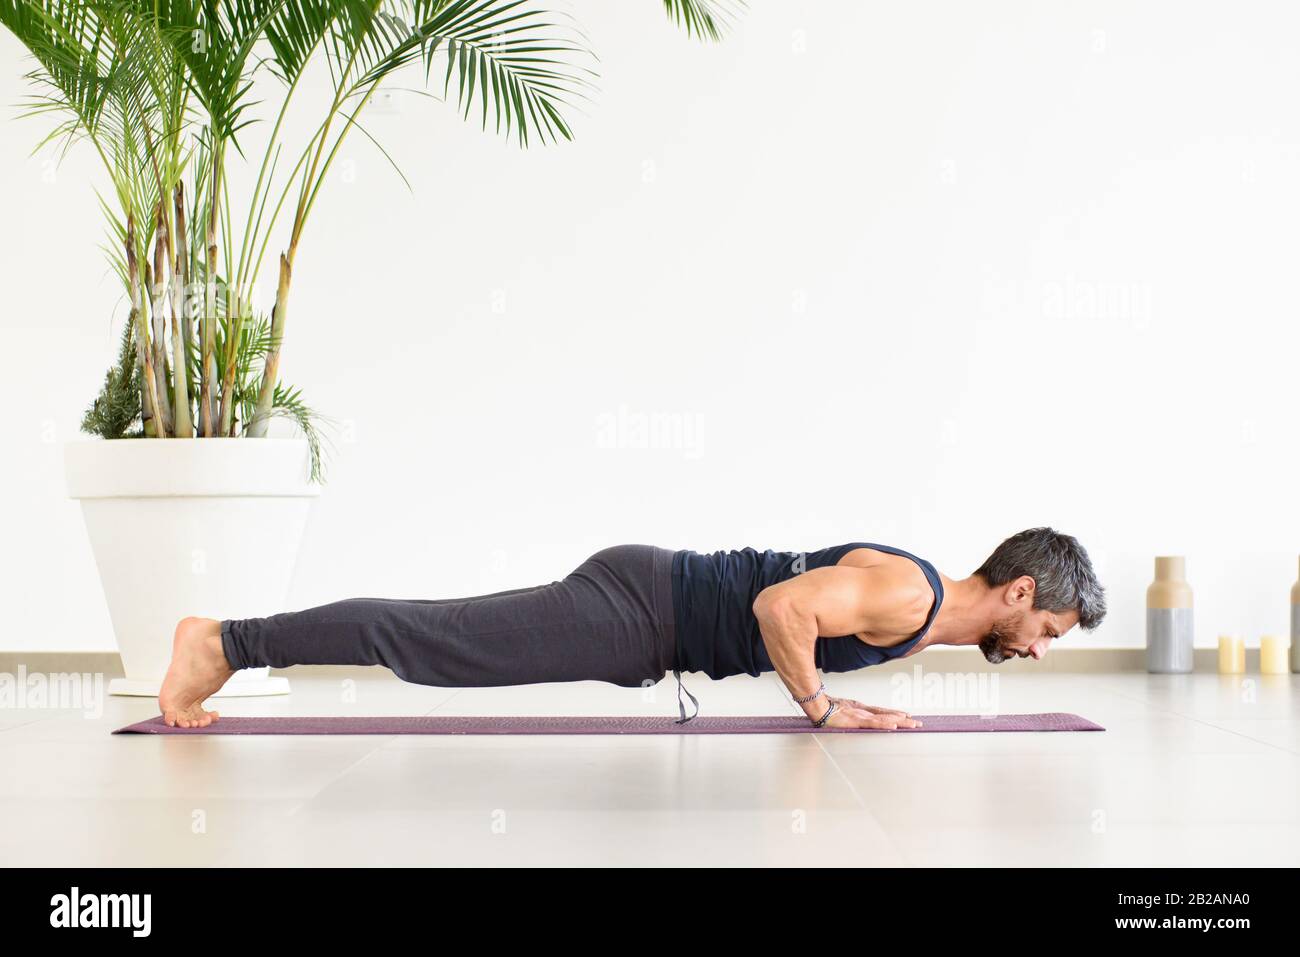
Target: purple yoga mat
[(757, 724)]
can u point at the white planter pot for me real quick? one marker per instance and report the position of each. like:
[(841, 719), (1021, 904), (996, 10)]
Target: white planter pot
[(178, 527)]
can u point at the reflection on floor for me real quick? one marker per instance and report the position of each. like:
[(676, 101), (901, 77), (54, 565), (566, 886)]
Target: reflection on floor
[(1193, 770)]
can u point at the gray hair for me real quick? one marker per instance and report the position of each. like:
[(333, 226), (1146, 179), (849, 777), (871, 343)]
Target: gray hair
[(1058, 564)]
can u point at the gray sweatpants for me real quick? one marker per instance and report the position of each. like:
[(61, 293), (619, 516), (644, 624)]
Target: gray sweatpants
[(611, 620)]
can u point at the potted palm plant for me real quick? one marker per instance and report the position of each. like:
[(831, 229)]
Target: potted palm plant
[(185, 514)]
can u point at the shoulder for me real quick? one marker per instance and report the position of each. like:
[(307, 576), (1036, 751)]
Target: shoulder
[(896, 582), (898, 567)]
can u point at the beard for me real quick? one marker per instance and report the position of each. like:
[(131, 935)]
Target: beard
[(996, 645)]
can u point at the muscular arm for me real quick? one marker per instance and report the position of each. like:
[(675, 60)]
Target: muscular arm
[(842, 600)]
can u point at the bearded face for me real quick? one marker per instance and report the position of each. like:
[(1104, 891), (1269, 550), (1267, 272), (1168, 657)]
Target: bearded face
[(999, 644)]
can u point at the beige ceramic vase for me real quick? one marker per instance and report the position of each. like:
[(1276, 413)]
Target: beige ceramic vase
[(1169, 618)]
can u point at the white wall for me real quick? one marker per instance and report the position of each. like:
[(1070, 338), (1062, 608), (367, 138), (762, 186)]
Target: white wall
[(920, 273)]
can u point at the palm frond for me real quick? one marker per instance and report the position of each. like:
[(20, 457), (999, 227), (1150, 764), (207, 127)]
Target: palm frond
[(514, 61), (288, 404), (704, 19), (215, 40)]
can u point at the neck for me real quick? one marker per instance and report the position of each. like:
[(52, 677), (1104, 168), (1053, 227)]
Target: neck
[(966, 614)]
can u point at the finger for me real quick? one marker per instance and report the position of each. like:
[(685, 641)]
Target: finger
[(889, 721), (894, 721), (875, 710), (901, 722), (869, 721)]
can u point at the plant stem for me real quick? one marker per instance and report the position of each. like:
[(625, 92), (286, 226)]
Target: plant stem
[(249, 230), (183, 427), (157, 284), (261, 420), (235, 316), (149, 392), (208, 371)]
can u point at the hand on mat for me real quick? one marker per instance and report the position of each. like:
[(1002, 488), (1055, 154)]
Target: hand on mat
[(855, 714)]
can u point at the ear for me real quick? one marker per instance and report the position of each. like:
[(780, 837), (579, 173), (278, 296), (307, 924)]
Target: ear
[(1020, 591)]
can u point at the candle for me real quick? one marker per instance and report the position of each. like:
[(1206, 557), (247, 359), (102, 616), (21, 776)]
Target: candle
[(1232, 655), (1295, 627), (1273, 655)]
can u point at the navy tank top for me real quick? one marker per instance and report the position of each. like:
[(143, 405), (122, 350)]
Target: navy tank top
[(717, 633)]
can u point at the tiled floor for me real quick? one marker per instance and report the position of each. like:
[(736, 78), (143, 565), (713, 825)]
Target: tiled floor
[(1193, 770)]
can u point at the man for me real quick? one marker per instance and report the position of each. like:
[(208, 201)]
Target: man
[(630, 614)]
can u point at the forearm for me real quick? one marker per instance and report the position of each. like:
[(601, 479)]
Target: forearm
[(790, 637)]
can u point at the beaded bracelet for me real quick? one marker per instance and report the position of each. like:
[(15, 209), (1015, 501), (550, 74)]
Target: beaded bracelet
[(812, 697), (821, 723)]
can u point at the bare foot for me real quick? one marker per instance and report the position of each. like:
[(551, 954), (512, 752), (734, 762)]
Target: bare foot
[(198, 670)]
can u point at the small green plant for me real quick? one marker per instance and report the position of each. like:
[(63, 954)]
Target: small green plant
[(117, 407)]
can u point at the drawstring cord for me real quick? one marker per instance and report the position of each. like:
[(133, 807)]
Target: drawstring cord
[(681, 708)]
